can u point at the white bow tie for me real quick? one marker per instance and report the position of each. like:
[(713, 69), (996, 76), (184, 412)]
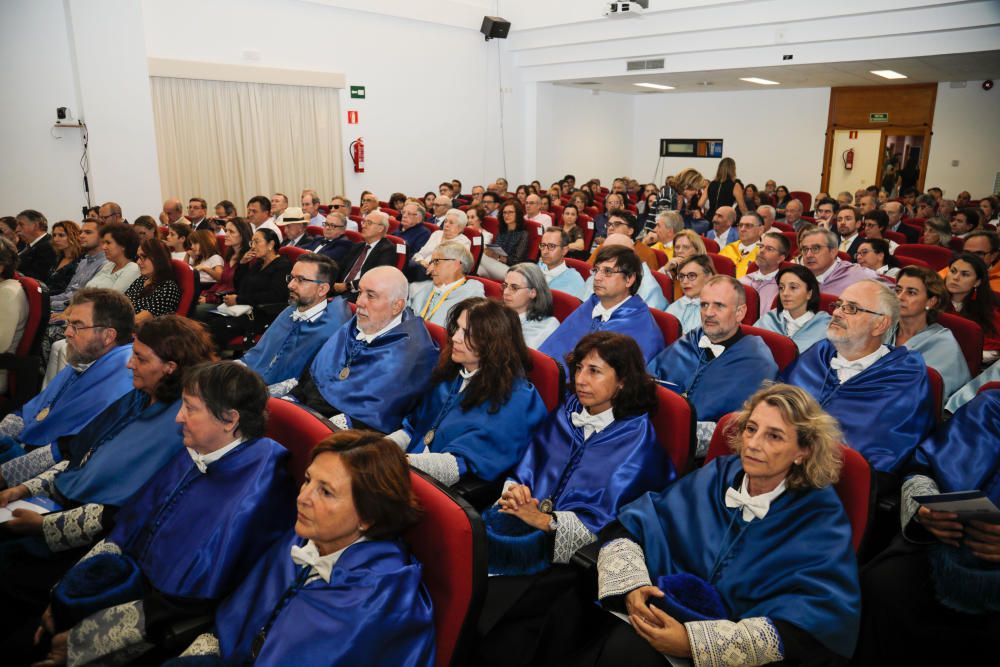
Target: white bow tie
[(706, 344), (842, 364), (199, 461), (753, 506), (298, 316), (686, 301), (309, 556), (589, 423)]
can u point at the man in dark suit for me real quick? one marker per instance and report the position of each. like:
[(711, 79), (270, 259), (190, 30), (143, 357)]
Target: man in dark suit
[(895, 212), (293, 223), (333, 243), (375, 250), (37, 257), (848, 227), (197, 214)]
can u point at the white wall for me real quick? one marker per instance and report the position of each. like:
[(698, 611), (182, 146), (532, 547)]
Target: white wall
[(966, 127), (775, 134)]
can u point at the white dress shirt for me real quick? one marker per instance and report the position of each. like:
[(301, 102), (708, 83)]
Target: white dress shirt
[(605, 313), (202, 461)]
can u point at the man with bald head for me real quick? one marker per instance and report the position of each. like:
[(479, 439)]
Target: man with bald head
[(533, 211), (855, 377), (173, 211), (896, 212), (649, 289), (355, 377), (110, 212), (723, 229), (716, 366)]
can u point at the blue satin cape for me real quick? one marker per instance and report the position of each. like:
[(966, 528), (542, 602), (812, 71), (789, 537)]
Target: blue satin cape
[(127, 444), (75, 398), (895, 388), (939, 349), (387, 377), (808, 335), (632, 318), (795, 565), (715, 386), (489, 444), (593, 479), (288, 346), (374, 611), (687, 313), (964, 453), (198, 535)]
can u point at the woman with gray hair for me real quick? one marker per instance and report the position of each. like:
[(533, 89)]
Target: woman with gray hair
[(527, 294), (937, 232), (454, 222)]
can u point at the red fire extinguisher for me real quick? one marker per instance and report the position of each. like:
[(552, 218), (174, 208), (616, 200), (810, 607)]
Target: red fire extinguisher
[(849, 158), (357, 150)]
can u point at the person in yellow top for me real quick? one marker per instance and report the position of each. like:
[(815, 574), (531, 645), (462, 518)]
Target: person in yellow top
[(986, 244), (668, 225), (744, 251)]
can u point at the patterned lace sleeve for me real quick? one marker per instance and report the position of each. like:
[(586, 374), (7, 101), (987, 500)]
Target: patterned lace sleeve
[(751, 642), (11, 426), (44, 484), (442, 467), (704, 431), (205, 644), (112, 636), (621, 568), (918, 485), (18, 470), (571, 535), (73, 528), (283, 388), (102, 547)]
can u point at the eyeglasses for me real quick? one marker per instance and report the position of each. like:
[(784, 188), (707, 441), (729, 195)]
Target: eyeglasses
[(368, 223), (438, 260), (290, 277), (330, 226), (685, 277), (617, 224), (606, 272), (75, 326), (336, 205), (812, 249), (849, 308), (513, 288), (140, 256), (863, 252), (550, 246)]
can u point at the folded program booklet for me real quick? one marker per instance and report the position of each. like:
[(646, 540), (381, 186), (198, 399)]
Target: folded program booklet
[(39, 504), (966, 504)]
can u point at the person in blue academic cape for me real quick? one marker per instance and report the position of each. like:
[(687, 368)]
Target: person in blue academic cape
[(972, 387), (481, 410), (797, 314), (355, 377), (596, 452), (189, 536), (614, 306), (98, 470), (649, 289), (922, 297), (853, 375), (746, 561), (99, 330), (692, 275), (342, 589), (294, 337), (933, 597), (716, 366)]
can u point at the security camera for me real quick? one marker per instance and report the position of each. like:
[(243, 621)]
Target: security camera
[(61, 113)]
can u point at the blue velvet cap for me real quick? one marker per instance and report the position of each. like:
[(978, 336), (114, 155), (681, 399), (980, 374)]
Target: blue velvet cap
[(102, 581), (515, 548), (689, 598)]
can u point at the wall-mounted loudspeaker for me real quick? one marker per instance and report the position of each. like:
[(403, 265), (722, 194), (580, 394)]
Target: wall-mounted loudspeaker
[(494, 26)]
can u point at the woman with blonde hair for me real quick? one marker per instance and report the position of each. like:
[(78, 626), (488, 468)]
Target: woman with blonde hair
[(687, 244), (66, 243)]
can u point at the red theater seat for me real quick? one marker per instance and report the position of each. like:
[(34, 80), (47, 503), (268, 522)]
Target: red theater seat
[(669, 325), (675, 428), (710, 245), (23, 367), (492, 288), (969, 336), (723, 265), (298, 430), (753, 305), (782, 348), (476, 242), (535, 232), (563, 304), (934, 256), (184, 276), (291, 253), (579, 266), (400, 251), (937, 392), (547, 377), (438, 334)]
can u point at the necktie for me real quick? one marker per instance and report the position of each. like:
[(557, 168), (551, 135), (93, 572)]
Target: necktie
[(753, 507), (308, 556), (707, 344), (358, 263)]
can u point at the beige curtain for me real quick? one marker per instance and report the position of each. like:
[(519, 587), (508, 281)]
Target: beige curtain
[(227, 140)]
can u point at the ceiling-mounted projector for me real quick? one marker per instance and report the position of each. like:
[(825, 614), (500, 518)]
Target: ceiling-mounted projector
[(631, 8)]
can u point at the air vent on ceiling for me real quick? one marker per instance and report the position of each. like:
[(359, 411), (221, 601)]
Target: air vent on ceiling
[(957, 84), (639, 65), (586, 83)]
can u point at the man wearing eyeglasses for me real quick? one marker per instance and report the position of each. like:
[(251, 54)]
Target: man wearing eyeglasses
[(620, 221), (614, 306), (649, 289), (715, 365), (880, 395), (374, 250), (773, 251), (293, 339), (433, 299), (334, 244), (744, 251), (310, 207), (819, 255), (553, 264), (99, 326), (411, 228)]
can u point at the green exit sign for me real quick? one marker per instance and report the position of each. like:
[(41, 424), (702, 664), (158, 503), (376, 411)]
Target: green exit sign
[(357, 92), (878, 118)]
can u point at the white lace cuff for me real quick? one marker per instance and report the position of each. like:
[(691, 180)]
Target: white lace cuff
[(401, 438), (44, 484), (442, 467), (113, 636), (704, 431), (102, 547), (73, 528), (206, 644), (11, 426), (751, 642), (18, 470), (571, 535), (918, 485), (621, 568), (283, 388)]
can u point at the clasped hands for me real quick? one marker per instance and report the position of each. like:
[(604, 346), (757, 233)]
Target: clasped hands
[(517, 500), (59, 646), (981, 538), (661, 630), (25, 522)]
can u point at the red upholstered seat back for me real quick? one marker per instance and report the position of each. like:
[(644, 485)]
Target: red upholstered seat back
[(431, 227), (661, 257), (400, 251), (969, 336), (563, 304), (450, 543), (855, 487), (989, 386), (710, 244), (353, 236), (782, 348), (184, 276), (753, 305), (37, 313), (937, 392), (438, 334), (28, 349), (803, 197), (314, 230), (669, 325), (291, 253), (492, 225), (935, 256), (793, 242), (674, 424), (579, 266), (492, 288), (586, 225), (476, 240), (723, 265), (666, 284), (547, 377), (298, 430), (535, 232)]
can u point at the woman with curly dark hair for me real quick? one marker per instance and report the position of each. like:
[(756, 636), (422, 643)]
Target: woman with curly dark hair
[(154, 292), (481, 411)]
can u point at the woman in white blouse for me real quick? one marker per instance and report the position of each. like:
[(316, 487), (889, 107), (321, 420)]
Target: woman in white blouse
[(13, 304), (120, 244), (526, 293)]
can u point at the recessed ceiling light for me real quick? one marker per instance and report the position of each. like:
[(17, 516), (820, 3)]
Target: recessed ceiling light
[(657, 86), (887, 74), (763, 82)]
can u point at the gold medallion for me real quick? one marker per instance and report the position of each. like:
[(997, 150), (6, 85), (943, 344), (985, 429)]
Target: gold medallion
[(42, 414), (429, 437), (545, 507), (344, 372)]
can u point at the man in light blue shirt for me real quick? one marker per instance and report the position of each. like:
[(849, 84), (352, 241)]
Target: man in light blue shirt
[(557, 274), (723, 229)]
